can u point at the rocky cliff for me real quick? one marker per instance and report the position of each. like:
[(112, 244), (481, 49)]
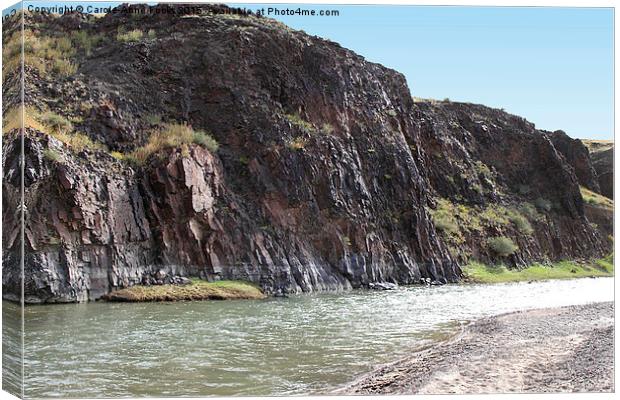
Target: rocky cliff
[(602, 155), (225, 145), (496, 175), (578, 157)]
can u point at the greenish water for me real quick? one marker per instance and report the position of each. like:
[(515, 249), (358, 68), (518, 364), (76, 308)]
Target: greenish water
[(305, 344)]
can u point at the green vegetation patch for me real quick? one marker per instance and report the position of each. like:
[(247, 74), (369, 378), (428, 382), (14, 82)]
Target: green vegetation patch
[(131, 36), (457, 221), (52, 155), (85, 40), (153, 119), (502, 246), (481, 273), (327, 128), (454, 219), (46, 54), (301, 123), (520, 222), (196, 290)]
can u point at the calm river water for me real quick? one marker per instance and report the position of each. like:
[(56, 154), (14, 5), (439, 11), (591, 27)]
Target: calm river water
[(303, 344)]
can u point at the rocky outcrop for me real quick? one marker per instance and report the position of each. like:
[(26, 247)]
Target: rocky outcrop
[(578, 157), (503, 178), (327, 175), (604, 164), (602, 155)]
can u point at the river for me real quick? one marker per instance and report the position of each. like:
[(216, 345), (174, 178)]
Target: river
[(307, 344)]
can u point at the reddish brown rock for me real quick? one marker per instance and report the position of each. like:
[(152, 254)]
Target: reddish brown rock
[(323, 180)]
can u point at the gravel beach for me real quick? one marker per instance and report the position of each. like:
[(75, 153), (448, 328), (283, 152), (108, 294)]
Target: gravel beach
[(568, 349)]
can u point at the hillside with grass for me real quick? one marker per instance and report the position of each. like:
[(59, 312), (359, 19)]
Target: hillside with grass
[(228, 146)]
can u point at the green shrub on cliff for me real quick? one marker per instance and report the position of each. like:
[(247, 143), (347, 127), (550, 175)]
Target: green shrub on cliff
[(483, 170), (529, 211), (495, 215), (204, 139), (301, 123), (118, 155), (62, 129), (445, 223), (444, 217), (543, 204), (502, 246), (85, 40), (520, 222), (57, 123)]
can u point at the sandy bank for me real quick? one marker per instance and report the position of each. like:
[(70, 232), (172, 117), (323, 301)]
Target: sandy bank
[(568, 349)]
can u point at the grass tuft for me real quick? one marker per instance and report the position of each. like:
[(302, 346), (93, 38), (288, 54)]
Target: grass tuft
[(327, 128), (203, 139), (301, 123), (51, 124), (297, 143), (172, 136), (21, 116), (131, 36), (56, 122), (51, 155), (153, 119), (118, 155), (529, 210)]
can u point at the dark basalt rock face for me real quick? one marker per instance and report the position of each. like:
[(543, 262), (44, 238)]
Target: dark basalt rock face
[(604, 165), (325, 178), (480, 158), (602, 155), (578, 157)]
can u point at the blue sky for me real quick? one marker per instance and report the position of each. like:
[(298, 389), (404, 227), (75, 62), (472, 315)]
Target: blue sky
[(553, 66)]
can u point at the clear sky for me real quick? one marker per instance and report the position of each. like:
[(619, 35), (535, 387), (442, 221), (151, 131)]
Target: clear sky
[(553, 66)]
